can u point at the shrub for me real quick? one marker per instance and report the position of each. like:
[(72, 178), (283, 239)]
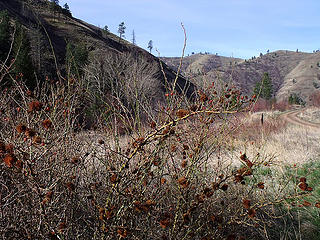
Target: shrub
[(296, 99), (174, 175)]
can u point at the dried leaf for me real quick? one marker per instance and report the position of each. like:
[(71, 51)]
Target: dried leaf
[(260, 185), (183, 182), (306, 204), (303, 180), (246, 203), (114, 178), (238, 178), (9, 160), (164, 223), (47, 124), (37, 139), (122, 232), (303, 186), (71, 187), (184, 164), (21, 128), (224, 187), (62, 226), (75, 160), (251, 213), (182, 113)]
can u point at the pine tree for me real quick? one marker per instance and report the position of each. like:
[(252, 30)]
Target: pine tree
[(23, 65), (4, 35), (263, 88), (150, 45), (66, 10), (121, 30)]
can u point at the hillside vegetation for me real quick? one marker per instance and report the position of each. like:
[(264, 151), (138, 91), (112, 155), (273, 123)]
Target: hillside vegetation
[(291, 72)]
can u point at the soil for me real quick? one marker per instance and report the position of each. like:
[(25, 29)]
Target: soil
[(292, 117)]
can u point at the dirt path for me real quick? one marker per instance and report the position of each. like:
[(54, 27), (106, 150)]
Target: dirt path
[(292, 117)]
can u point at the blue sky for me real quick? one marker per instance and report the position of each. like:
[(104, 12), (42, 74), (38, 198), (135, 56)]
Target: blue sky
[(238, 28)]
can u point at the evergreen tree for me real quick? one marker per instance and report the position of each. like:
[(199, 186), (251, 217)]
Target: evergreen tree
[(66, 7), (76, 58), (121, 30), (4, 35), (23, 66), (150, 45), (66, 10), (264, 87)]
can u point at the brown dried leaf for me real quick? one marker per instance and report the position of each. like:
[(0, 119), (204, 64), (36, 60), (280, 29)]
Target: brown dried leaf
[(306, 204), (122, 232), (182, 113), (260, 185), (183, 182), (21, 128), (9, 160), (303, 186), (224, 187), (246, 203), (303, 179), (251, 213), (47, 124)]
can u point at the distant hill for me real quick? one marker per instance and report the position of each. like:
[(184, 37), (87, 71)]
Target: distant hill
[(291, 72), (45, 27)]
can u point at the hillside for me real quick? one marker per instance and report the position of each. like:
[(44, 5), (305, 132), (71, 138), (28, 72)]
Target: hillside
[(45, 28), (291, 72)]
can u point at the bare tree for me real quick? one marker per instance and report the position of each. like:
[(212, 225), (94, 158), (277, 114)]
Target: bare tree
[(133, 38), (125, 80)]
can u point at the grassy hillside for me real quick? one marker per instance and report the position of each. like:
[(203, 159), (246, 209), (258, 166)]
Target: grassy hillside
[(291, 72)]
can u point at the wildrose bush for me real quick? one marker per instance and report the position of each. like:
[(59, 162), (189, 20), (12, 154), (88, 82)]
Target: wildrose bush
[(171, 181), (40, 163)]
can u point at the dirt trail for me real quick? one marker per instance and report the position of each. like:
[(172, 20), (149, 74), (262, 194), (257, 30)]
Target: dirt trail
[(292, 117)]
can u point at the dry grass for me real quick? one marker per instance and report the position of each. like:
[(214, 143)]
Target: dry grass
[(290, 143)]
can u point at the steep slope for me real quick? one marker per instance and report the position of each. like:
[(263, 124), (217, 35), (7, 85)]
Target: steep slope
[(47, 28), (303, 80)]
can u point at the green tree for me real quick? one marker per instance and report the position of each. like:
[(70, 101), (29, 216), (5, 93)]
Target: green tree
[(150, 45), (76, 58), (106, 28), (23, 65), (121, 30), (263, 88), (4, 35), (296, 99), (66, 10)]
